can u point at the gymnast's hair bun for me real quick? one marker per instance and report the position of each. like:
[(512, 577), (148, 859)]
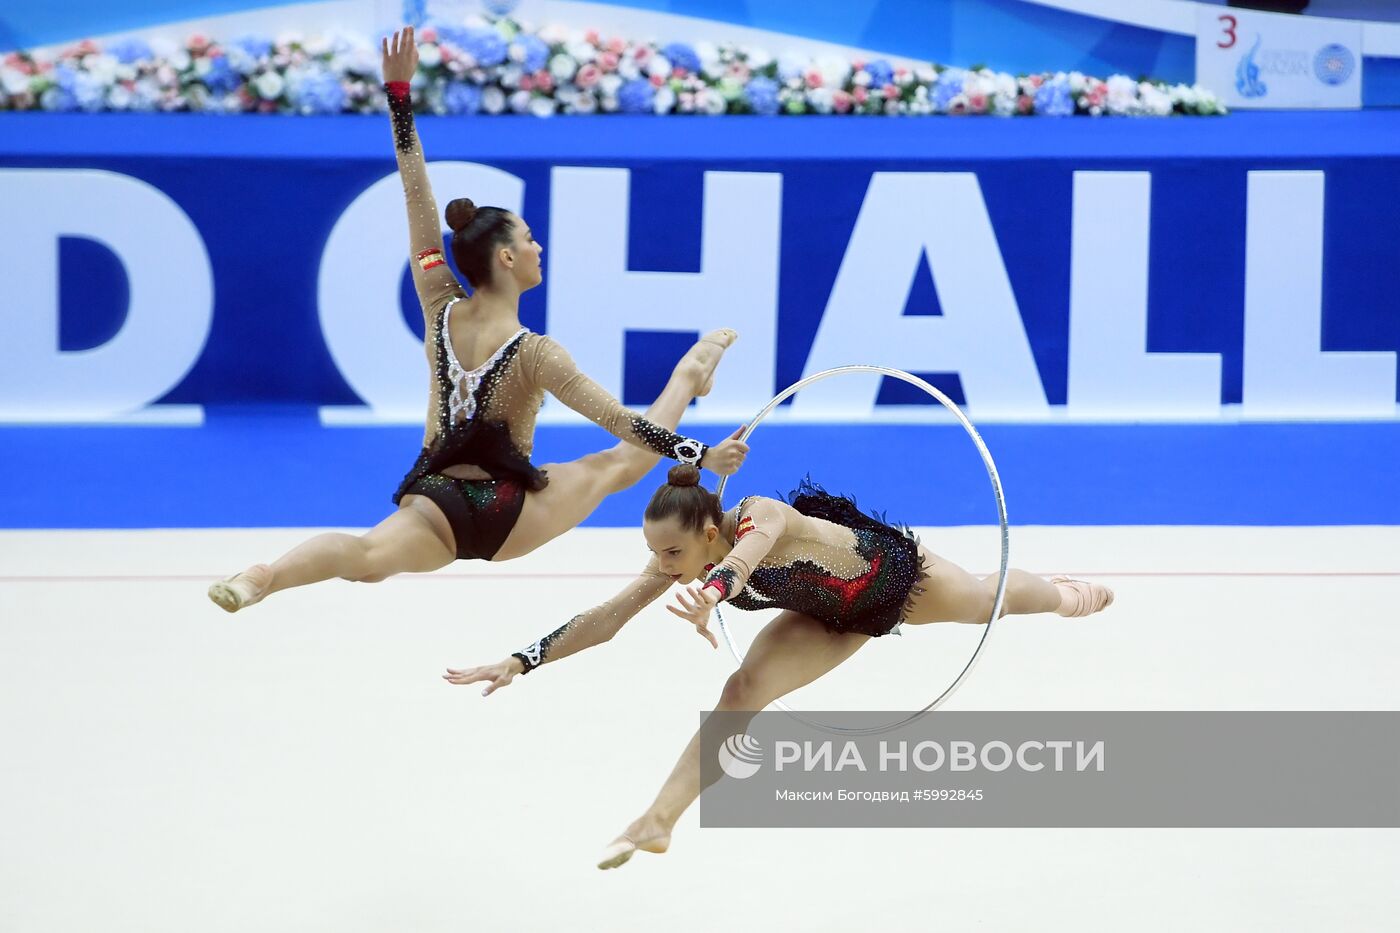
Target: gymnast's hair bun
[(460, 213), (684, 474)]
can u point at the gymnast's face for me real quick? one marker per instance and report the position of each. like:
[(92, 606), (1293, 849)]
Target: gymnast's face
[(524, 255), (682, 553)]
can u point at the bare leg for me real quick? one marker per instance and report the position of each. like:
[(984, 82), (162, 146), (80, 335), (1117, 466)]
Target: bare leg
[(577, 488), (793, 650), (951, 594), (415, 539)]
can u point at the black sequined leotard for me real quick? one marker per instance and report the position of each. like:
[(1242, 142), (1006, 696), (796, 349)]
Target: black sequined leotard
[(484, 418), (816, 554)]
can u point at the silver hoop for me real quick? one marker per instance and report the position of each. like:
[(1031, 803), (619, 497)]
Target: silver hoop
[(1001, 517)]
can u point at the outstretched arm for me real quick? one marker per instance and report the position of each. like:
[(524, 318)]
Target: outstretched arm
[(551, 368), (432, 277), (585, 630)]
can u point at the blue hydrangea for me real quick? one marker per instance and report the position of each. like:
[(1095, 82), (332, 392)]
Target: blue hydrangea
[(89, 92), (681, 55), (461, 97), (881, 72), (61, 96), (319, 92), (762, 95), (949, 85), (636, 96), (1053, 99), (129, 51), (454, 35), (536, 52), (415, 12), (254, 47), (221, 79), (486, 46)]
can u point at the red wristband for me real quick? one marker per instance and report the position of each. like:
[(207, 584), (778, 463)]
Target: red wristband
[(399, 89)]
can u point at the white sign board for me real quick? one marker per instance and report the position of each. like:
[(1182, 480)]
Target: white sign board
[(1278, 61)]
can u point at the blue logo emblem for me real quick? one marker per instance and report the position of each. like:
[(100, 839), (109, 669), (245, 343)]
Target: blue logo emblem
[(1247, 81), (1334, 64)]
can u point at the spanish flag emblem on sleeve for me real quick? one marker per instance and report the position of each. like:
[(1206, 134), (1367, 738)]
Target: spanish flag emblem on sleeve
[(430, 258), (745, 526)]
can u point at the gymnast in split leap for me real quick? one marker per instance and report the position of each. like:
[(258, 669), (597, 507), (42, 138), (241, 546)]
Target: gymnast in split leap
[(840, 576), (473, 492)]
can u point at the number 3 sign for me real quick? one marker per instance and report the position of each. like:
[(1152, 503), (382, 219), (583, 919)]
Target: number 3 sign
[(1278, 61)]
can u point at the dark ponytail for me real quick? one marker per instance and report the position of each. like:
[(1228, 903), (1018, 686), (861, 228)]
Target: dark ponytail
[(684, 499), (477, 232)]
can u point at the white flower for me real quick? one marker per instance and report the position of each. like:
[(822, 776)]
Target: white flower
[(1077, 82), (511, 75), (1004, 105), (713, 104), (659, 66), (627, 68), (862, 78), (922, 107), (834, 70), (1006, 85), (13, 81), (119, 98), (203, 66), (757, 58), (429, 55), (581, 52), (586, 103), (792, 65), (925, 74), (102, 67), (180, 60), (664, 101), (520, 101), (608, 104), (980, 83), (1122, 94), (516, 52), (542, 107), (821, 99), (124, 73), (493, 99), (891, 107), (710, 64), (610, 85), (921, 92), (563, 68), (269, 85), (321, 45)]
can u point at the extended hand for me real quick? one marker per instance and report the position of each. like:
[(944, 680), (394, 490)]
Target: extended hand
[(499, 674), (400, 56), (695, 605), (727, 456)]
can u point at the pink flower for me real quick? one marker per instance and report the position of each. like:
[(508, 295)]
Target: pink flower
[(591, 37), (1037, 81), (679, 72), (814, 78), (427, 34), (891, 92), (977, 103), (841, 102), (739, 71), (642, 54), (617, 46), (861, 94), (608, 62), (857, 64), (685, 101), (958, 108), (657, 80), (544, 81), (267, 106), (197, 44), (900, 73), (587, 76), (527, 82), (1025, 103)]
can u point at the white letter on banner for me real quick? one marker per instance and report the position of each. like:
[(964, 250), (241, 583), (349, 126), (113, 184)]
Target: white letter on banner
[(1110, 371), (362, 269), (1286, 373), (594, 300), (979, 335), (167, 270)]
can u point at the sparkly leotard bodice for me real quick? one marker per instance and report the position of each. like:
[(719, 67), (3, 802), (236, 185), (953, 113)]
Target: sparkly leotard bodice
[(485, 417)]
